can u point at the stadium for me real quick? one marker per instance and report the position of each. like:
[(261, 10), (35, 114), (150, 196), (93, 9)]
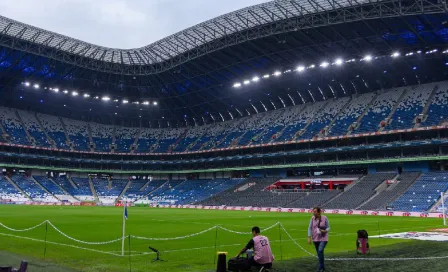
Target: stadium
[(112, 157)]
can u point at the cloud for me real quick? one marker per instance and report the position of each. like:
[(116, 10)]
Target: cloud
[(118, 23)]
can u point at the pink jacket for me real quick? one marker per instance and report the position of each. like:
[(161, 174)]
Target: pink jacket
[(262, 250), (315, 226)]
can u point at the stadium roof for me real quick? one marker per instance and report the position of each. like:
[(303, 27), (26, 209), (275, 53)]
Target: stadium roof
[(191, 73), (183, 41)]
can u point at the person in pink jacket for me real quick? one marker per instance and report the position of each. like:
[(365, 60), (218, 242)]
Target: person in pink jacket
[(318, 233), (262, 250)]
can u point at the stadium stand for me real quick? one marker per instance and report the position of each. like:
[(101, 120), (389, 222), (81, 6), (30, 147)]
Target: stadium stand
[(410, 106), (424, 193), (314, 199), (125, 138), (360, 192), (102, 136), (438, 110), (8, 192), (82, 190), (379, 111), (55, 129), (34, 129), (78, 133), (382, 199), (32, 189), (13, 127), (108, 190)]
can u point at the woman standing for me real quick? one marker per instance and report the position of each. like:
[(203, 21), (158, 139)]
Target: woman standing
[(318, 232)]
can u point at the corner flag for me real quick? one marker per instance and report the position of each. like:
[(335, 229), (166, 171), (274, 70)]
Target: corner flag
[(126, 212), (125, 217)]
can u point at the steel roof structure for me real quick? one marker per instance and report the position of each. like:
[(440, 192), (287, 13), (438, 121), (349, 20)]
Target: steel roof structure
[(236, 27), (190, 73)]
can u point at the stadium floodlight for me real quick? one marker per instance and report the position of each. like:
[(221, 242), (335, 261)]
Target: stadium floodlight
[(116, 100), (125, 101), (300, 68), (155, 103), (255, 79), (237, 85), (86, 95), (56, 90), (419, 51), (312, 66), (395, 54), (266, 76), (105, 98), (65, 91), (246, 82), (287, 71), (27, 84), (367, 58), (97, 97), (324, 64), (145, 103), (36, 86), (75, 93), (277, 73), (339, 62)]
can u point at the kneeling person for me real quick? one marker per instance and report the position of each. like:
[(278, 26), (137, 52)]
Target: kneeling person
[(262, 250)]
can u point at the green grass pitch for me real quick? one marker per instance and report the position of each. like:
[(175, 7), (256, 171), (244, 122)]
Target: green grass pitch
[(196, 253)]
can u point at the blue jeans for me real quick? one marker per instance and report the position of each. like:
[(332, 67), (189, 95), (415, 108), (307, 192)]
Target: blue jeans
[(320, 246)]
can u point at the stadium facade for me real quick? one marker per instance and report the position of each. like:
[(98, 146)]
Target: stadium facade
[(312, 89)]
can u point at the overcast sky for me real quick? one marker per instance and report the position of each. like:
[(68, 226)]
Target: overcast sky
[(118, 23)]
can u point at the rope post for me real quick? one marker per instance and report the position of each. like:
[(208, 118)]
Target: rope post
[(45, 245), (216, 238), (281, 245), (129, 253)]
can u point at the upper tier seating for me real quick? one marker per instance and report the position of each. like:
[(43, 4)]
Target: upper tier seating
[(49, 185), (78, 133), (424, 193), (324, 117), (411, 106), (125, 138), (359, 193), (55, 129), (303, 121), (34, 129), (13, 127), (102, 136), (350, 114), (378, 112), (438, 110), (314, 199), (9, 192)]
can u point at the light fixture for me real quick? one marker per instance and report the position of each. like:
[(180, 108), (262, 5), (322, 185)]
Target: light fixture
[(27, 84), (395, 54), (246, 82), (86, 95), (300, 69), (266, 76), (56, 90), (125, 101), (368, 58), (339, 62), (155, 103), (237, 85), (97, 97), (255, 79), (75, 93), (36, 86), (65, 91), (115, 100), (312, 66), (145, 103), (324, 64), (277, 73), (105, 98)]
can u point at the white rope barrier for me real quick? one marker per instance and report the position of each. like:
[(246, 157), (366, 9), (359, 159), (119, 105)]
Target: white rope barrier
[(21, 230), (295, 242), (247, 233)]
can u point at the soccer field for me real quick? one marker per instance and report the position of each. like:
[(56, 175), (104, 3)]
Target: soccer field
[(195, 253)]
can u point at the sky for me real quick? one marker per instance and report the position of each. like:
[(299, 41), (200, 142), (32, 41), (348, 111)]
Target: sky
[(120, 24)]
